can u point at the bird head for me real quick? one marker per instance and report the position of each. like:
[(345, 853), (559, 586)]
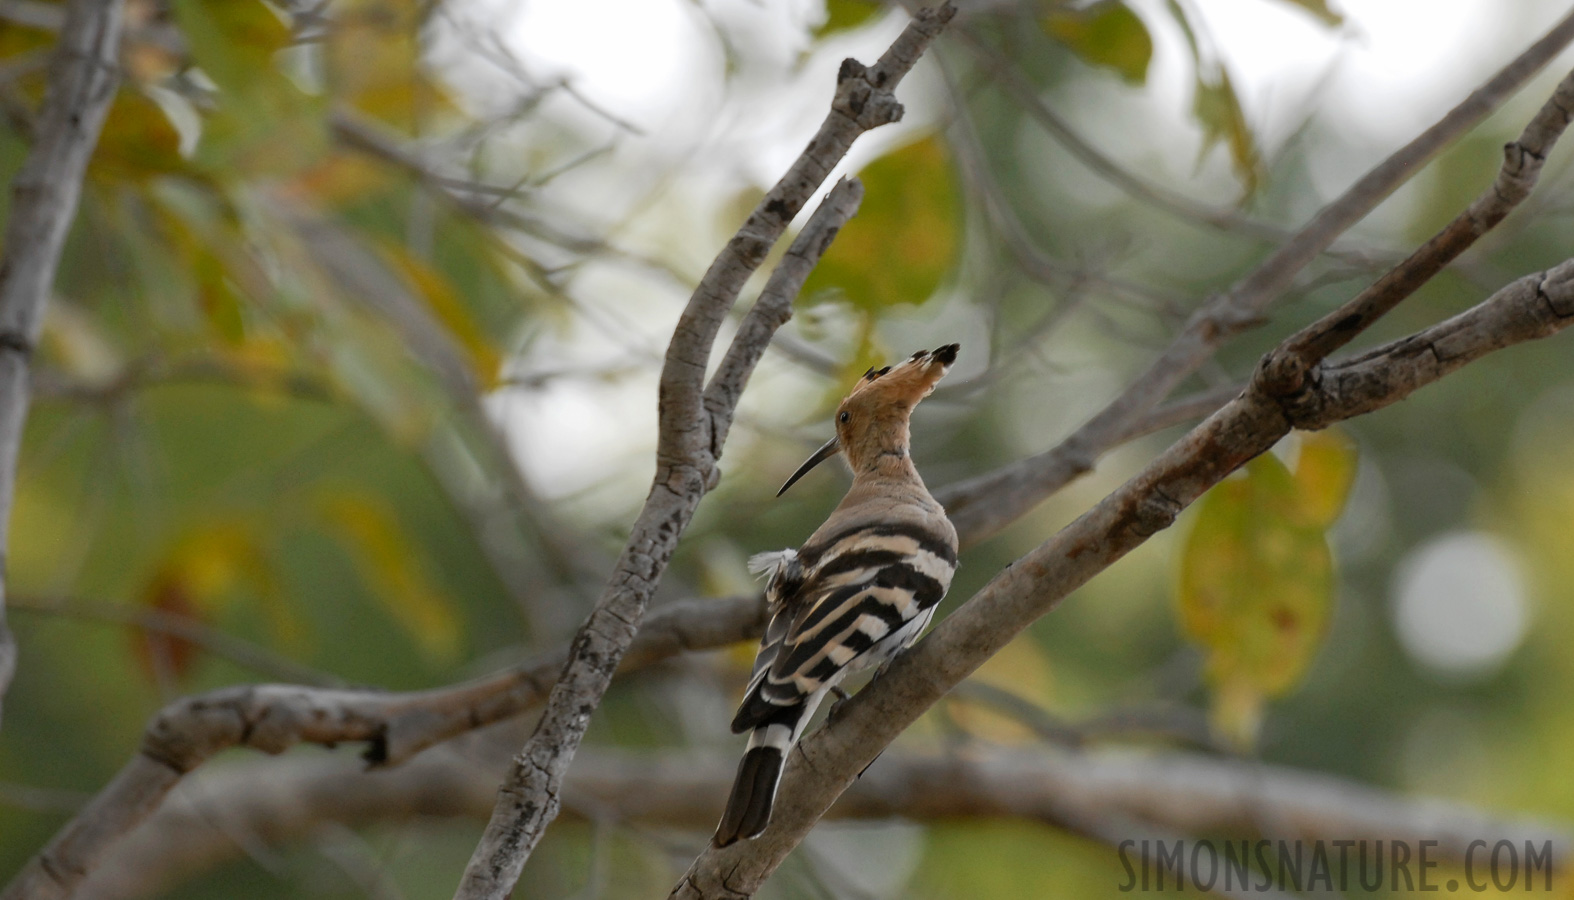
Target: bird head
[(872, 421)]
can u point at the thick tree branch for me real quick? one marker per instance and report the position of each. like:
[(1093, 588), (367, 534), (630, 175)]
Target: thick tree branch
[(82, 81), (281, 801), (985, 504), (691, 424)]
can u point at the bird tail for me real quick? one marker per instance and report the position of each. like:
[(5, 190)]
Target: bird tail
[(753, 795), (760, 770)]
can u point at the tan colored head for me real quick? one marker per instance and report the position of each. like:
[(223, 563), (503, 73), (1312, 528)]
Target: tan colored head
[(872, 421)]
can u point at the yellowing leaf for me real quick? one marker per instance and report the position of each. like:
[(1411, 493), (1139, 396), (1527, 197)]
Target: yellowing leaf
[(1218, 110), (373, 56), (200, 572), (445, 302), (138, 141), (1105, 34), (391, 564), (1256, 585), (905, 237), (340, 179), (1324, 473), (845, 15), (1020, 669), (233, 41)]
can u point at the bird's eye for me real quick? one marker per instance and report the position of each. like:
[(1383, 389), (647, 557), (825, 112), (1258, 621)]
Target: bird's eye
[(843, 417)]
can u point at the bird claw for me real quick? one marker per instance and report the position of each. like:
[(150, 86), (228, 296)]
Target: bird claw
[(836, 708)]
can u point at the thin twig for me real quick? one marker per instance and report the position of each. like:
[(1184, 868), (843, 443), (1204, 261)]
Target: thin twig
[(239, 651)]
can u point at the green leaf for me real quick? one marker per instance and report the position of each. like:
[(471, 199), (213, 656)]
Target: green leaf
[(1257, 579), (845, 15), (1321, 10), (905, 237), (1105, 34)]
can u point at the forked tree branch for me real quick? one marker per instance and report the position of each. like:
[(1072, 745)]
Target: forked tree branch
[(1532, 307), (83, 76)]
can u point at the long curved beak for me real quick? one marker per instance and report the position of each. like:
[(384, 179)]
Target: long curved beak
[(820, 456)]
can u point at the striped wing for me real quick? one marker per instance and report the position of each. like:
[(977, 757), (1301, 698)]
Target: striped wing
[(861, 596)]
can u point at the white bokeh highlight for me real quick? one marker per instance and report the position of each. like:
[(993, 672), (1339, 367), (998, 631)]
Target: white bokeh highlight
[(1459, 604)]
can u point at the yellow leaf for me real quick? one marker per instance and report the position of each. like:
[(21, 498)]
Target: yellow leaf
[(1255, 588), (392, 566), (203, 571), (450, 309), (374, 63), (1324, 473)]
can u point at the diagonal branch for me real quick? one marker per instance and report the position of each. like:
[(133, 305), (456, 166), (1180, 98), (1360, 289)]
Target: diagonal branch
[(985, 504), (82, 81), (1523, 157)]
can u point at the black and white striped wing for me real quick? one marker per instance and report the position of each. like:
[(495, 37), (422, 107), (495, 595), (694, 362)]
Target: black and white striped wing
[(865, 595), (852, 601)]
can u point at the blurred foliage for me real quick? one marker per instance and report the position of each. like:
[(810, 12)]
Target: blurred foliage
[(845, 15), (910, 220), (334, 272), (1106, 34)]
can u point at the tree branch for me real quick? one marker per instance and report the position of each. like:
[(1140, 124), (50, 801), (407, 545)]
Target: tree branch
[(82, 80), (400, 726), (987, 503), (692, 423), (279, 801), (828, 761)]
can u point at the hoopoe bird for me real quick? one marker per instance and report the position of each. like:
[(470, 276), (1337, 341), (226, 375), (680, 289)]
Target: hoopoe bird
[(857, 593)]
